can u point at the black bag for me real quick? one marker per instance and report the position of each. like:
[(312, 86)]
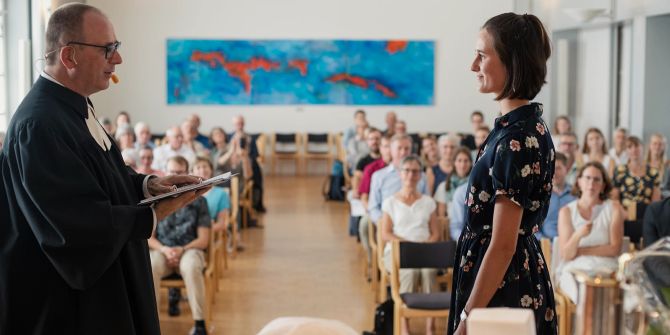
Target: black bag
[(384, 318), (333, 187)]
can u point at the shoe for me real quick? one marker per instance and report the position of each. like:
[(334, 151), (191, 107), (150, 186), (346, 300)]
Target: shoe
[(174, 296), (198, 330)]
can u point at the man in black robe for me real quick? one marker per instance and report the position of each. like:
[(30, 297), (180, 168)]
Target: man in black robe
[(73, 242)]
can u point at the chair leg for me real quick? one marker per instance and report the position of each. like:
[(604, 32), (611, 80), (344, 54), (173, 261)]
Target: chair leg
[(374, 274)]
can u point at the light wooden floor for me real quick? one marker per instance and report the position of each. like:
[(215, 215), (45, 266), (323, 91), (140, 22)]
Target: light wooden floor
[(302, 264)]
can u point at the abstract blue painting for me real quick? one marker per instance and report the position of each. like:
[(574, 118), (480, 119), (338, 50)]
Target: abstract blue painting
[(294, 72)]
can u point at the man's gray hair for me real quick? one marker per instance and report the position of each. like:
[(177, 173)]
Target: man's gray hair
[(448, 138), (400, 137), (141, 125)]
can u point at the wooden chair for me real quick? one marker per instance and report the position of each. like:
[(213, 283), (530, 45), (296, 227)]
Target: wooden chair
[(439, 255), (374, 268), (261, 144), (246, 203), (210, 274), (286, 146), (384, 273), (318, 146), (234, 213)]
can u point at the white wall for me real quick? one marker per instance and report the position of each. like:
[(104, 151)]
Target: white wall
[(144, 26)]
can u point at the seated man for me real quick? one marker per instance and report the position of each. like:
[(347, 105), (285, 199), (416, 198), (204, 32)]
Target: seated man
[(656, 218), (177, 245), (174, 147), (561, 195)]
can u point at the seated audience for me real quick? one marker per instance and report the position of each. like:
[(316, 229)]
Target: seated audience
[(429, 154), (218, 200), (107, 124), (143, 136), (595, 150), (445, 191), (656, 153), (410, 216), (350, 133), (618, 150), (656, 222), (357, 147), (636, 181), (143, 166), (476, 121), (373, 141), (123, 118), (202, 139), (189, 132), (246, 142), (125, 137), (220, 152), (400, 128), (174, 147), (390, 120), (447, 145), (569, 146), (456, 210), (480, 137), (590, 229), (178, 244), (562, 125), (238, 162), (561, 195)]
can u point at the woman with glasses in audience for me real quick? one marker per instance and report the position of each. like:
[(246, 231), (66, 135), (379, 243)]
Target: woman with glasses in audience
[(636, 181), (595, 150), (656, 153), (590, 229), (445, 191), (447, 145), (410, 216)]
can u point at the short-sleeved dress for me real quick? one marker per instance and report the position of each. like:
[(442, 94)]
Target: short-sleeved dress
[(516, 161)]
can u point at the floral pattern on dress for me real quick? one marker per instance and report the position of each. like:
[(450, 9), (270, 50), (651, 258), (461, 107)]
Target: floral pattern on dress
[(517, 162), (636, 189)]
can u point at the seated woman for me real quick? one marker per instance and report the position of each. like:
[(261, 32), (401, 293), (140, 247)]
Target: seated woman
[(445, 191), (218, 201), (595, 150), (636, 182), (590, 229), (410, 216)]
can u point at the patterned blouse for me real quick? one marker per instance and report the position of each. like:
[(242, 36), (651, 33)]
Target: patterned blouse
[(636, 189), (517, 161)]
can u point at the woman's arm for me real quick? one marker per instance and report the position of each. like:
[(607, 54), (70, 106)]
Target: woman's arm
[(387, 229), (568, 238), (441, 210), (506, 223), (613, 249), (246, 165), (221, 222), (435, 230), (430, 180), (201, 242), (656, 195)]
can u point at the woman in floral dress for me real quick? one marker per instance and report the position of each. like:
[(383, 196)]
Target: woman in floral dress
[(499, 260)]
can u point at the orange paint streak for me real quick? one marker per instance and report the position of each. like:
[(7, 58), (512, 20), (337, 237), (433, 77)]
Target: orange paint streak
[(354, 80), (239, 70), (387, 92), (393, 47), (300, 64)]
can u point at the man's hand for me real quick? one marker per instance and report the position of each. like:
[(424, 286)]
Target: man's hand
[(168, 206), (160, 185)]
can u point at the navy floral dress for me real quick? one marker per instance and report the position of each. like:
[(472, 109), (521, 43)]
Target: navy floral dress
[(517, 161)]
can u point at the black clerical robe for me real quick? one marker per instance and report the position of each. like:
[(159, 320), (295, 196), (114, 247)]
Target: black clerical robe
[(74, 257)]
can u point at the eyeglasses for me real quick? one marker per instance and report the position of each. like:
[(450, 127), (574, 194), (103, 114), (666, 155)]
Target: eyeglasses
[(110, 48), (414, 171)]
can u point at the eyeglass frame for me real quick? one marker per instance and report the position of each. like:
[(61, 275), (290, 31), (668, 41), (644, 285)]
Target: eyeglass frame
[(110, 48)]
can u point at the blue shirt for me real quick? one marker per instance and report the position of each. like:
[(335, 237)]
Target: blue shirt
[(556, 202), (217, 201), (457, 211), (385, 183)]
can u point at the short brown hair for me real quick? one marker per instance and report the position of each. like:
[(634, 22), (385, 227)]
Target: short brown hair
[(633, 141), (561, 157), (203, 159), (606, 179), (179, 160), (522, 43), (65, 25)]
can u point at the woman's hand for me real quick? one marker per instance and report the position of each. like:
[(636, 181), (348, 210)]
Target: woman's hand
[(461, 330), (585, 230)]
